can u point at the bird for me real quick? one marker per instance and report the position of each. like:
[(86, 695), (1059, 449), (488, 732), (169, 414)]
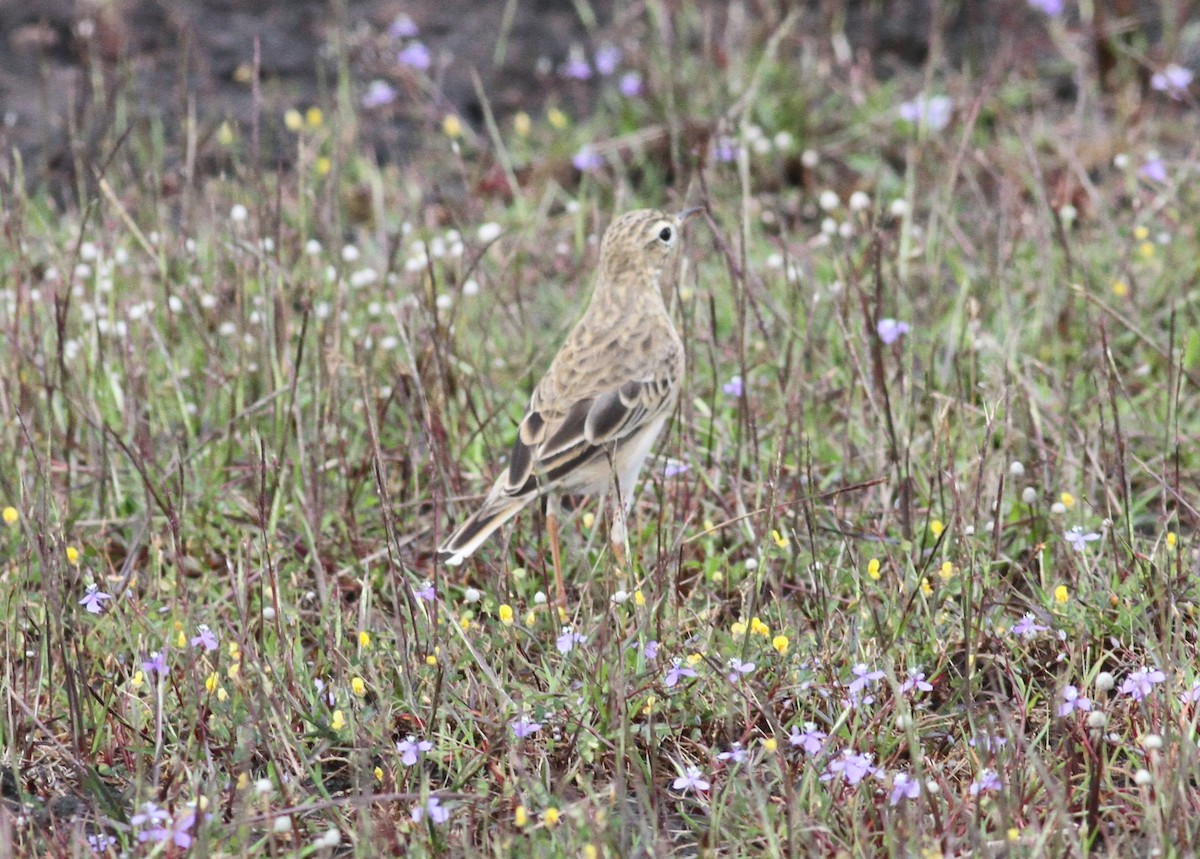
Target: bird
[(593, 418)]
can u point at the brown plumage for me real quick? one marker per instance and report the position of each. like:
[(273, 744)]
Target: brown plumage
[(607, 394)]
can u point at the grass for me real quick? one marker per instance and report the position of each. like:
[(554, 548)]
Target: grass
[(255, 402)]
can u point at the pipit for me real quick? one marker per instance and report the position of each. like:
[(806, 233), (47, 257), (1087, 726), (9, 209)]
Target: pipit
[(592, 419)]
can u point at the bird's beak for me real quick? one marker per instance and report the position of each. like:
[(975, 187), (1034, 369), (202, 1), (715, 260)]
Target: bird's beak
[(687, 213)]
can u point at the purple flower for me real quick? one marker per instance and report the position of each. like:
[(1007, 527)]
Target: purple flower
[(425, 591), (155, 663), (630, 84), (736, 753), (411, 749), (1174, 80), (692, 779), (607, 58), (1154, 170), (734, 387), (904, 786), (415, 55), (810, 739), (1026, 627), (851, 766), (1073, 701), (94, 599), (587, 159), (651, 650), (150, 813), (863, 677), (737, 668), (934, 110), (674, 468), (1078, 539), (988, 781), (890, 330), (1140, 683), (378, 94), (1192, 695), (988, 743), (916, 680), (523, 728), (402, 27), (575, 68), (676, 671), (433, 807), (1053, 8), (568, 639), (204, 638), (101, 842), (726, 149)]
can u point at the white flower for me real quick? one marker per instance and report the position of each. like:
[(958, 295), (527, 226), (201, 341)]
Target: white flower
[(488, 232), (238, 213)]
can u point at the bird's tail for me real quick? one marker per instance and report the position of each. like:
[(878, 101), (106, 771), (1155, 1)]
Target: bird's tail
[(496, 509)]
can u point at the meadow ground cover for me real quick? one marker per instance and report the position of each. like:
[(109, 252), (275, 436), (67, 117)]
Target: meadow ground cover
[(913, 568)]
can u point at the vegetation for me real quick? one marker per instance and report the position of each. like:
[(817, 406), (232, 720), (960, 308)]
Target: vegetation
[(912, 571)]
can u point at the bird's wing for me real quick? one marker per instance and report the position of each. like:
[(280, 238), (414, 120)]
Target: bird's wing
[(560, 434)]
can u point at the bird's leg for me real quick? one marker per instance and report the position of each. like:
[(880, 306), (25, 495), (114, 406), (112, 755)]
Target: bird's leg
[(553, 509), (618, 533)]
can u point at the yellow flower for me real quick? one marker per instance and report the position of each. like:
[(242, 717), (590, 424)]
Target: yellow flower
[(738, 628), (936, 527), (1146, 249), (780, 643), (780, 540), (770, 744), (222, 695), (759, 628), (506, 614), (233, 670), (947, 571), (243, 781), (557, 119), (72, 555), (293, 120), (1014, 834), (873, 569), (364, 639), (1141, 233), (649, 708), (926, 588), (324, 165), (589, 520), (1172, 539), (211, 682), (225, 134), (358, 686), (1120, 288), (465, 623), (531, 619), (137, 679), (522, 124), (181, 640), (314, 117), (1067, 499), (639, 598), (1061, 594), (378, 772), (550, 816), (338, 721), (234, 649), (452, 126), (430, 659), (694, 659), (590, 851), (11, 515), (521, 816)]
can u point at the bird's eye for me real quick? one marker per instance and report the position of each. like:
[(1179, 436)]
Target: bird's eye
[(665, 235)]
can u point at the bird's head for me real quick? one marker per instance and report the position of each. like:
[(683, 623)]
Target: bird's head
[(644, 241)]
